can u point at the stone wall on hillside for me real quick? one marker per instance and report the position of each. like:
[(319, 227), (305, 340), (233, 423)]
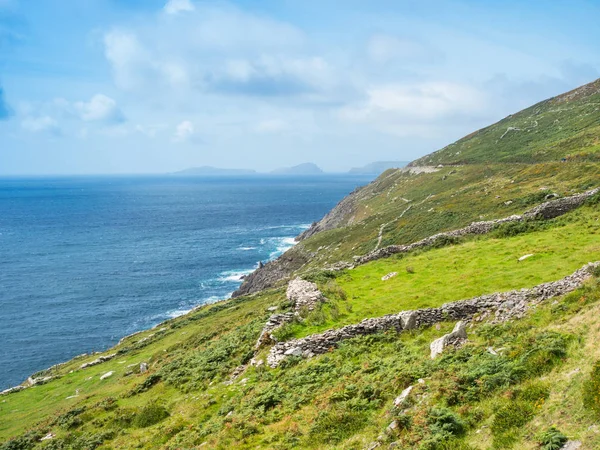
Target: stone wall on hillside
[(547, 210), (503, 306)]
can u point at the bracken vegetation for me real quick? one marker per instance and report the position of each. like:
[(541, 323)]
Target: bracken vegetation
[(532, 383)]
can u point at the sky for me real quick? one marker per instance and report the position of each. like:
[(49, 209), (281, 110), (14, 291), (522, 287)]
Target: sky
[(154, 86)]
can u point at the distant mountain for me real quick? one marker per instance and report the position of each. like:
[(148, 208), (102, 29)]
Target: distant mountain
[(213, 171), (378, 167), (301, 169)]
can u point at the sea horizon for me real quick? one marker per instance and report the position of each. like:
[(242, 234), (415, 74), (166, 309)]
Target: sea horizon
[(96, 258)]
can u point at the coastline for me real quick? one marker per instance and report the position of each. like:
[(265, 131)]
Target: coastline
[(38, 376)]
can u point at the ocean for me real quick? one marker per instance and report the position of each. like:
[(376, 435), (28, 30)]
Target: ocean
[(85, 261)]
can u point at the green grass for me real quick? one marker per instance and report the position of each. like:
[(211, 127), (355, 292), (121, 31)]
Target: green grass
[(467, 194), (553, 129), (473, 268)]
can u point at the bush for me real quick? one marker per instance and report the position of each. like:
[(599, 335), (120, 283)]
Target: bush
[(512, 415), (149, 415), (443, 421), (591, 390), (334, 425), (552, 439)]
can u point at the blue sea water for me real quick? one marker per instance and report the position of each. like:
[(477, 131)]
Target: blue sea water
[(85, 261)]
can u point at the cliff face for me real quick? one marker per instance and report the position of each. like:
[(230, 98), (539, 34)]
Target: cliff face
[(272, 273)]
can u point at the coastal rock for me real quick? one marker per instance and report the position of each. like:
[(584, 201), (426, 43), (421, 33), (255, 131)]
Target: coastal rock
[(388, 276)]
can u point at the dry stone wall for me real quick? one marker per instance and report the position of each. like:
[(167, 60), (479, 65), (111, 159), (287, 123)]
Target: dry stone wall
[(500, 306), (547, 210)]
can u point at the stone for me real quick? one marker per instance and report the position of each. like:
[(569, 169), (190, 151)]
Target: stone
[(408, 320), (143, 367), (524, 257), (294, 352), (388, 276), (459, 334), (304, 294), (572, 445), (107, 375), (392, 427), (272, 308), (48, 437), (403, 396), (97, 361), (498, 307)]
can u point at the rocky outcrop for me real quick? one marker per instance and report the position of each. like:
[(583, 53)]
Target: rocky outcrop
[(272, 273), (456, 339), (547, 210), (498, 307), (339, 215), (304, 295)]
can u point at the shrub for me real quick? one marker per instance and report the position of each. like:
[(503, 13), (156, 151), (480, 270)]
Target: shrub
[(444, 422), (410, 269), (551, 439), (144, 385), (512, 415), (149, 415), (25, 442), (591, 390), (336, 424)]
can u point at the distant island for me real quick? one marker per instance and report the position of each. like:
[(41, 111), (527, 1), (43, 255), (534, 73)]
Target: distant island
[(307, 169), (378, 167)]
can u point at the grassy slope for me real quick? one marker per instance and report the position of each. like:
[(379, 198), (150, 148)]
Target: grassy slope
[(343, 399), (567, 126), (476, 267), (444, 200), (307, 404)]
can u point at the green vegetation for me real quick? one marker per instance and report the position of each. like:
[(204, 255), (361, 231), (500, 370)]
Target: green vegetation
[(474, 267), (567, 126), (512, 385)]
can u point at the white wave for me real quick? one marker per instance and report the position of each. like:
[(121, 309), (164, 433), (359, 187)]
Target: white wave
[(300, 226), (177, 313), (282, 244), (245, 249), (234, 275)]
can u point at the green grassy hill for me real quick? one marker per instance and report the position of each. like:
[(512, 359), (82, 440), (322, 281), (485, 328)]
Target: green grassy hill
[(525, 384)]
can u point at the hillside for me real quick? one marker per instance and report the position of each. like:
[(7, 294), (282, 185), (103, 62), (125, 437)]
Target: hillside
[(378, 167), (566, 126), (438, 308)]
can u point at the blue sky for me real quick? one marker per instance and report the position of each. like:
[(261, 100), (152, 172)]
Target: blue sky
[(147, 86)]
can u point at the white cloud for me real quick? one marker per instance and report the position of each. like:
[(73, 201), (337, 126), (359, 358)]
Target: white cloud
[(417, 109), (177, 6), (41, 124), (184, 131), (100, 109)]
